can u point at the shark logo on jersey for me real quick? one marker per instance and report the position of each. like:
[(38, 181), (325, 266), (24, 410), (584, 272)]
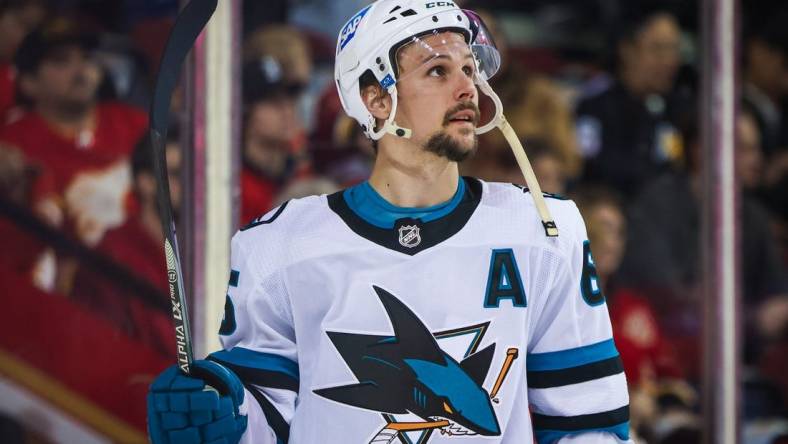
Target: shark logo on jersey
[(414, 383), (409, 236)]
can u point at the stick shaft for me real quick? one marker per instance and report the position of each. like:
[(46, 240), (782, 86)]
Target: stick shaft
[(188, 26), (511, 355)]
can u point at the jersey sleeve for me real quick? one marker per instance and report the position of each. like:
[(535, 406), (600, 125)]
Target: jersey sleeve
[(576, 383), (258, 337)]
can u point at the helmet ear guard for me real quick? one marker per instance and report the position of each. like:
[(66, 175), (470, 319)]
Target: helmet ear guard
[(388, 127)]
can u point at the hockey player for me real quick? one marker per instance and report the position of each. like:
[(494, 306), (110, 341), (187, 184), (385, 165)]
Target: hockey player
[(419, 306)]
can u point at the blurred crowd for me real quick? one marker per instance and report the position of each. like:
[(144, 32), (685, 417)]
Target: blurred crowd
[(614, 126)]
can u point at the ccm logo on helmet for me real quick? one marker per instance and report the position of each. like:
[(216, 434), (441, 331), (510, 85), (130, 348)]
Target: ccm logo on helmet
[(349, 30), (434, 4)]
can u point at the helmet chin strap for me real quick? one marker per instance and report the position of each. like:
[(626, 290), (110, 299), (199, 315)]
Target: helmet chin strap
[(399, 131), (498, 117), (498, 120)]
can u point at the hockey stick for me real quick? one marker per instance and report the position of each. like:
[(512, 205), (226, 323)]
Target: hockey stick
[(188, 25), (511, 355), (392, 430)]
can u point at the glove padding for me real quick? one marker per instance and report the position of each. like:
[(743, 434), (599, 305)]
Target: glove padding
[(186, 410)]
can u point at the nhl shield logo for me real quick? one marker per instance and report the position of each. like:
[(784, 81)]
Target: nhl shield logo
[(409, 236)]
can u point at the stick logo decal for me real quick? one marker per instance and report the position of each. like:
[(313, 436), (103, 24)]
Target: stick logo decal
[(178, 315)]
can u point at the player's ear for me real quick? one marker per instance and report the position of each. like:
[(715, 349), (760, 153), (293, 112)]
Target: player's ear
[(377, 101)]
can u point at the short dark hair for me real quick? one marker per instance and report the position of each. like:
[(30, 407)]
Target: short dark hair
[(264, 80), (630, 25), (770, 30), (52, 34), (16, 5), (590, 196), (638, 19), (537, 147)]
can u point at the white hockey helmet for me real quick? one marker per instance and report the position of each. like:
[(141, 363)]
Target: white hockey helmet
[(369, 42)]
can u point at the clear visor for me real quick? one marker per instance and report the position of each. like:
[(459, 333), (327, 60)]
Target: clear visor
[(452, 45)]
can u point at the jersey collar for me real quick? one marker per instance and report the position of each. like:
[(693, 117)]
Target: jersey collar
[(406, 230)]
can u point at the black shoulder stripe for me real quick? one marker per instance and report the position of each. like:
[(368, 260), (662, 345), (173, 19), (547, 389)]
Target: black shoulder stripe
[(582, 422), (548, 195), (263, 378), (259, 220), (280, 427), (575, 375)]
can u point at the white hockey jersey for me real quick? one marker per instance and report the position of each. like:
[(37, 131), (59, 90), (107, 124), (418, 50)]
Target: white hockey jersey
[(461, 323)]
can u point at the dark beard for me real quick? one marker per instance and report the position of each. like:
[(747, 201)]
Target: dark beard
[(73, 110), (443, 145), (70, 108)]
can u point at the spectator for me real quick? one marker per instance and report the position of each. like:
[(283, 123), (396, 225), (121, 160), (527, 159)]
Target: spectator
[(84, 143), (749, 157), (546, 162), (765, 91), (764, 71), (548, 166), (19, 183), (338, 147), (138, 245), (17, 19), (665, 239), (650, 360), (626, 132), (533, 105), (287, 46), (273, 142), (644, 349)]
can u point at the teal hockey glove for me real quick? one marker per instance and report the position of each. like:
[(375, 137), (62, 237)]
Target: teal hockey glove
[(189, 409)]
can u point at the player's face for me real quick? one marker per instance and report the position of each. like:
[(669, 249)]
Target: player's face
[(607, 233), (550, 174), (146, 183), (749, 157), (274, 120), (67, 78), (271, 125), (438, 100), (653, 56)]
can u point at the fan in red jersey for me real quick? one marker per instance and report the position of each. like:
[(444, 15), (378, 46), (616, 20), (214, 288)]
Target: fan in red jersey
[(66, 131), (273, 152), (649, 356), (643, 346), (137, 245)]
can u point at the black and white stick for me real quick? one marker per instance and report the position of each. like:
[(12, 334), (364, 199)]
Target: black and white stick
[(188, 25)]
